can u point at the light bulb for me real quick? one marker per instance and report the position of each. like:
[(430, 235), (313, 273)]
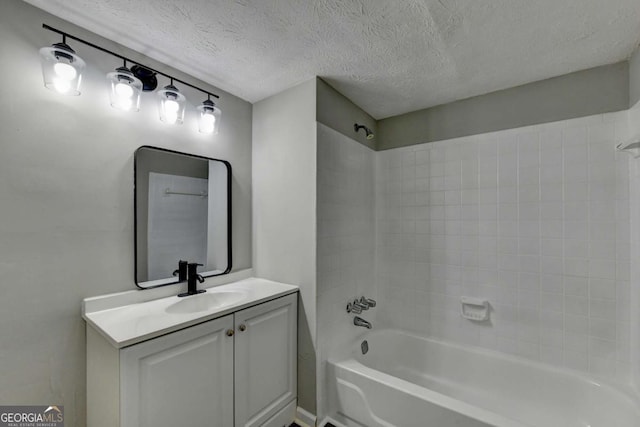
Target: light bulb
[(65, 71), (61, 69), (124, 91), (125, 103), (61, 85), (171, 106), (207, 123), (171, 118), (209, 119)]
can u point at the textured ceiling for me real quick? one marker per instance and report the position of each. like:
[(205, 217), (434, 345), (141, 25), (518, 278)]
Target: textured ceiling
[(388, 56)]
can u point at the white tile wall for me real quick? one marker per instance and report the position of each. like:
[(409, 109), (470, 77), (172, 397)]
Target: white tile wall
[(177, 226), (633, 304), (534, 219), (346, 242)]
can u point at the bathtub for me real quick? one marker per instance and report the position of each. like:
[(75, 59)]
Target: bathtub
[(406, 380)]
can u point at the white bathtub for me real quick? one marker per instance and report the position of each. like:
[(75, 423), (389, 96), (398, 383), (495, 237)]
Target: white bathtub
[(406, 381)]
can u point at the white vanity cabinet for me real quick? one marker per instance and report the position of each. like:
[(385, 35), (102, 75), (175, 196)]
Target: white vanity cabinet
[(236, 370), (265, 352), (180, 379)]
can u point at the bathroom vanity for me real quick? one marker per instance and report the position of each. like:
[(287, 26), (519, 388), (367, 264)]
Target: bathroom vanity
[(222, 358)]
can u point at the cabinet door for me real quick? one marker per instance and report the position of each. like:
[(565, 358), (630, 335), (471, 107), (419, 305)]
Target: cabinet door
[(181, 379), (265, 367)]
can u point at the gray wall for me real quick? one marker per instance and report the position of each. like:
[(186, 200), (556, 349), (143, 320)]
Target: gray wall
[(339, 113), (583, 93), (634, 78), (66, 197), (284, 211)]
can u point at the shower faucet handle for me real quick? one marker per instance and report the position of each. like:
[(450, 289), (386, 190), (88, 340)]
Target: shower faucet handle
[(362, 303), (368, 301), (353, 308)]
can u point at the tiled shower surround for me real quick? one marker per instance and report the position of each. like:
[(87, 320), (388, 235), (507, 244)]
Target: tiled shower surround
[(536, 220), (346, 232), (346, 242)]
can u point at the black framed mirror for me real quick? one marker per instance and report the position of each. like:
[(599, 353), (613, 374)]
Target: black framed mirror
[(182, 212)]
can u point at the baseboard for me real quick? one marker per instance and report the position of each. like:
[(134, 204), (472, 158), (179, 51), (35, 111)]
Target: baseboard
[(305, 418), (331, 421), (283, 417)]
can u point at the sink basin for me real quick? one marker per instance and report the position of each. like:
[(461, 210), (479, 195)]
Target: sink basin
[(204, 302)]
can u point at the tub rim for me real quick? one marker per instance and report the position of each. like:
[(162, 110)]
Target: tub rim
[(351, 362), (439, 399), (624, 390)]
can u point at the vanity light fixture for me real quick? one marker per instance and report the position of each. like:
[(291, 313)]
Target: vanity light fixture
[(62, 68), (171, 105), (124, 89), (62, 71), (146, 76), (209, 117)]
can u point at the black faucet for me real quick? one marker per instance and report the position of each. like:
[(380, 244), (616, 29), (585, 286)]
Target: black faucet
[(181, 272), (192, 278)]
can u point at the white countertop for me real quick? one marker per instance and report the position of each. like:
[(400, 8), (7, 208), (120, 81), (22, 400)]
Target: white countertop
[(135, 322)]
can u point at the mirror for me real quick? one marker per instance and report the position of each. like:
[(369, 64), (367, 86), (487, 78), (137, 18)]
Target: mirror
[(182, 212)]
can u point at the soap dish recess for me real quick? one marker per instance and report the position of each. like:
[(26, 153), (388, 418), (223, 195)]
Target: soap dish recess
[(476, 309)]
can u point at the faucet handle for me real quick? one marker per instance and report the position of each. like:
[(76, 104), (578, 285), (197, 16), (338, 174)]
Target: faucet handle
[(193, 267), (193, 272), (362, 305), (370, 302), (181, 272), (353, 308)]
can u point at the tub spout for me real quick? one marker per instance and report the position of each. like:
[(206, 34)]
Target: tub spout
[(359, 321)]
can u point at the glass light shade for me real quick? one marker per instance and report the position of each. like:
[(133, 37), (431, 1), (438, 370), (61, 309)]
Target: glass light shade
[(62, 69), (209, 117), (124, 90), (171, 106)]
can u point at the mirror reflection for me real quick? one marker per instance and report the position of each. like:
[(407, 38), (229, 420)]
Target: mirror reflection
[(182, 209)]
